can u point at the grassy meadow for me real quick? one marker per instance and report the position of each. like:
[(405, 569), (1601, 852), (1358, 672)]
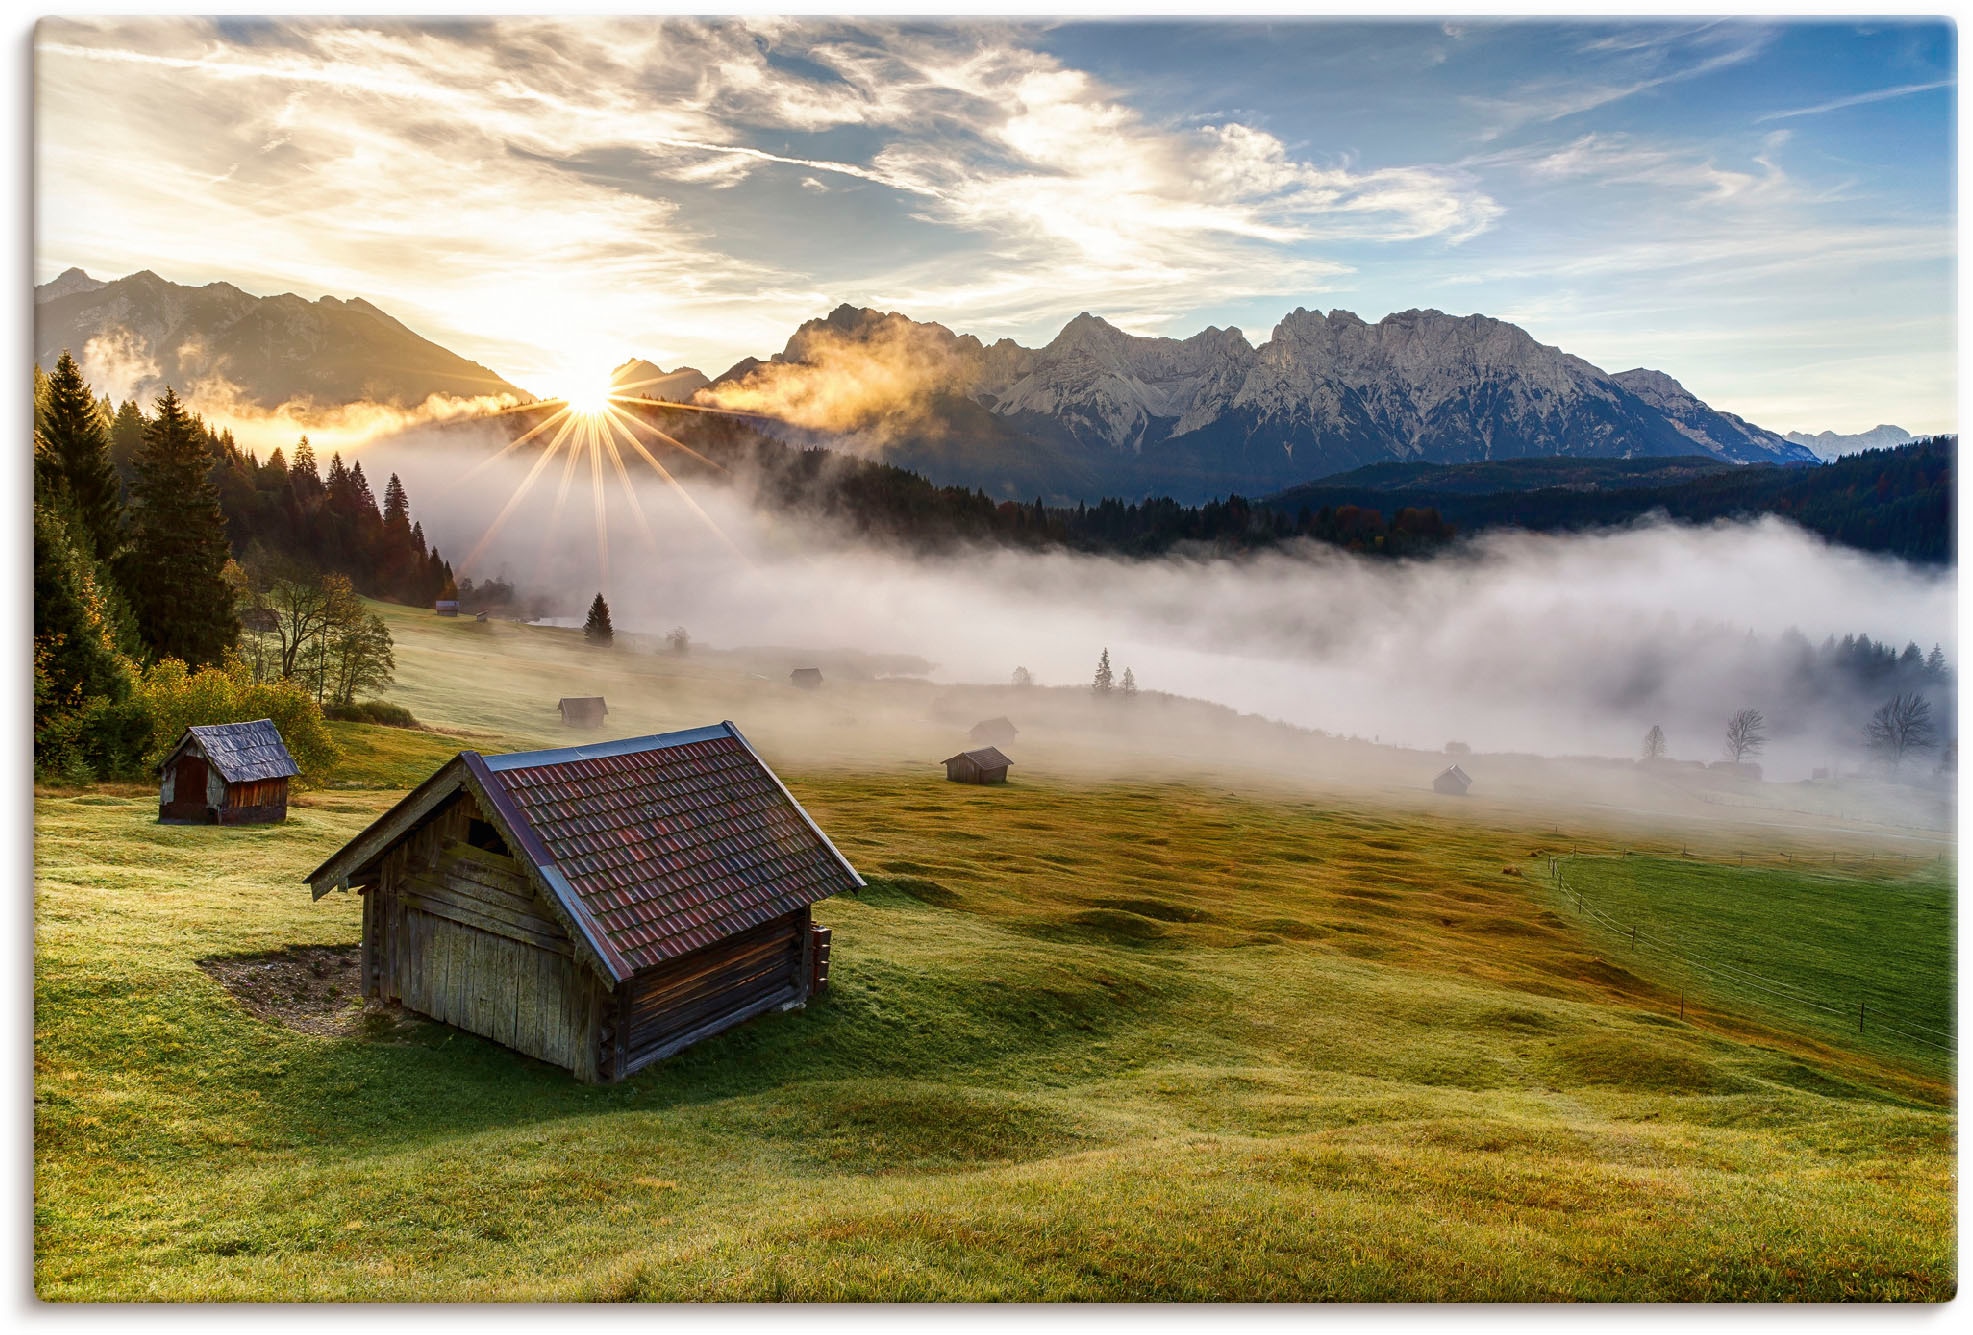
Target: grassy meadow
[(1128, 1035)]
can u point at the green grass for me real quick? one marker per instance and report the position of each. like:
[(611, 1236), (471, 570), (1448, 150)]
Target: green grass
[(1808, 939), (1103, 1041)]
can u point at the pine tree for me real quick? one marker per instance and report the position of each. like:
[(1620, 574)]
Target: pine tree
[(597, 629), (1130, 684), (1654, 743), (126, 439), (178, 544), (71, 428), (1101, 685), (397, 512), (303, 473)]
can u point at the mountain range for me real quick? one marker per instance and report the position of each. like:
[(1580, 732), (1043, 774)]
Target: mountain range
[(1828, 445), (1101, 411), (221, 347), (1095, 412)]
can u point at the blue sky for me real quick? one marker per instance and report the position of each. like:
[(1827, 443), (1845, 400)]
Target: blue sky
[(1764, 210)]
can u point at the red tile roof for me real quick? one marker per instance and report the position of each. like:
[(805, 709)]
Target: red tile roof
[(670, 842)]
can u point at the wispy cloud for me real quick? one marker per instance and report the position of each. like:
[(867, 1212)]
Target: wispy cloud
[(1857, 100), (452, 167), (1622, 65)]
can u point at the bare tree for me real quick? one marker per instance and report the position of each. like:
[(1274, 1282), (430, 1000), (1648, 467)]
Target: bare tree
[(1654, 743), (1746, 735), (678, 640), (1130, 684), (1902, 726), (1023, 677)]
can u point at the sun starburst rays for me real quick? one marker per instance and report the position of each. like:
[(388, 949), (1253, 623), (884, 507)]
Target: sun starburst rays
[(592, 426)]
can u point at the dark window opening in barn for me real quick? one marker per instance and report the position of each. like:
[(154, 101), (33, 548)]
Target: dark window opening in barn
[(480, 834)]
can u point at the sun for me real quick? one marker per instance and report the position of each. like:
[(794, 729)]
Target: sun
[(588, 395)]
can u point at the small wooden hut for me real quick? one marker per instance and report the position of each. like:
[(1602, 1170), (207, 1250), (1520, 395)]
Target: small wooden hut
[(599, 907), (226, 774), (985, 765), (1453, 782), (446, 607), (994, 732), (806, 678), (583, 711)]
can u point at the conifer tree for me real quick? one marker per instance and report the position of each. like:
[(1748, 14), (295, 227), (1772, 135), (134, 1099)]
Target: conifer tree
[(597, 629), (126, 439), (178, 544), (1130, 684), (1101, 685), (397, 514), (77, 440), (303, 473)]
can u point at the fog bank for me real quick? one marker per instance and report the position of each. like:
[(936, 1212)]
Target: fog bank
[(1558, 645)]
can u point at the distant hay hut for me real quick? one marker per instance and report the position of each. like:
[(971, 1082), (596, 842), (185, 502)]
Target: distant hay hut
[(600, 906), (1453, 782), (806, 678), (260, 620), (446, 607), (985, 765), (583, 711), (994, 732), (226, 774), (1745, 769)]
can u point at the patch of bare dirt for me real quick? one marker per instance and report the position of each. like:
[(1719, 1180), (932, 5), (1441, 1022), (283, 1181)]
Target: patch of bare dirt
[(312, 989)]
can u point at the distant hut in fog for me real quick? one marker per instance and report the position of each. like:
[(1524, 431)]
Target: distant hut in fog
[(806, 678), (446, 607), (985, 765), (226, 774), (1453, 783), (583, 711), (994, 732), (260, 620)]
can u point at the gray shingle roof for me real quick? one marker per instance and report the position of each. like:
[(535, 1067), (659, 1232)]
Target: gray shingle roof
[(241, 752), (987, 757)]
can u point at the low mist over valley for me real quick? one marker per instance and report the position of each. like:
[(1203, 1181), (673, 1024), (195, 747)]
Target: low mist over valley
[(1511, 642)]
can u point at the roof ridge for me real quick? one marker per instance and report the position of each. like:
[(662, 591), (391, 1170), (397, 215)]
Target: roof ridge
[(622, 746)]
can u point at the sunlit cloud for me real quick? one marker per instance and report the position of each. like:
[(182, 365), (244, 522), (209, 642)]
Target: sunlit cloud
[(549, 197)]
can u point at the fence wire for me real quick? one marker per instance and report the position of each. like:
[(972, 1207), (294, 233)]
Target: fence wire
[(1733, 975)]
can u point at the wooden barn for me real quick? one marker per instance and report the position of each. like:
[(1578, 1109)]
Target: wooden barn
[(446, 607), (1453, 782), (226, 774), (599, 907), (806, 678), (985, 765), (994, 732), (583, 711)]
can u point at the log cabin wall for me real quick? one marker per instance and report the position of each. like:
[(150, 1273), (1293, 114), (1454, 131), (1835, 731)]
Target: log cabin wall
[(253, 801), (456, 932), (676, 1003)]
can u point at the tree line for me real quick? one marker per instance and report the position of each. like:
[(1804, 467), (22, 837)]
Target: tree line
[(171, 566)]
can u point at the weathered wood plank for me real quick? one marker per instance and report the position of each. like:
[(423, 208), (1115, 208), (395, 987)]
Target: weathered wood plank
[(416, 896)]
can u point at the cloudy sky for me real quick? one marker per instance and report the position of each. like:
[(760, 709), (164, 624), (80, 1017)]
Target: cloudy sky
[(1763, 209)]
